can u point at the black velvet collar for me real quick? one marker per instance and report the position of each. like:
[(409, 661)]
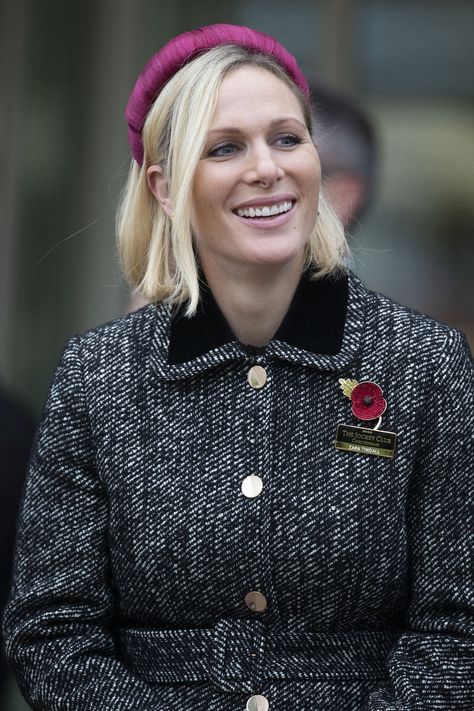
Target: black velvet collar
[(314, 322)]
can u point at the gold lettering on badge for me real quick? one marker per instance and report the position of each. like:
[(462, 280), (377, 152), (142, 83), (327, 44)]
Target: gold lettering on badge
[(365, 441)]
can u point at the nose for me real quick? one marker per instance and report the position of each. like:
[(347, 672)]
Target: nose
[(263, 166)]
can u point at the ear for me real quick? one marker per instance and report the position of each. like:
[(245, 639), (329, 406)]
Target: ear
[(158, 185)]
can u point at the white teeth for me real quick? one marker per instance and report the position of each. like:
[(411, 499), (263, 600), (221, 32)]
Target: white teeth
[(265, 211)]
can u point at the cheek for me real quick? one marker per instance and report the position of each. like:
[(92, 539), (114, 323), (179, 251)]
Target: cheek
[(314, 172), (312, 161), (209, 193)]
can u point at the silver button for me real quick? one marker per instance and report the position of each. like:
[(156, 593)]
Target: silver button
[(257, 702), (257, 377), (252, 486), (255, 601)]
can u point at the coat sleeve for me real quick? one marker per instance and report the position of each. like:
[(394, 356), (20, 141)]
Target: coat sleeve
[(432, 665), (58, 621)]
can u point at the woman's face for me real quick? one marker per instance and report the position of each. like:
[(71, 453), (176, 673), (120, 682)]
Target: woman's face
[(256, 187)]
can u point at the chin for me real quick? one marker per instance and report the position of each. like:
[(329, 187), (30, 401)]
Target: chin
[(275, 256)]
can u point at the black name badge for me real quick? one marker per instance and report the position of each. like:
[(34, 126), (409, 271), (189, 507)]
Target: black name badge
[(363, 440)]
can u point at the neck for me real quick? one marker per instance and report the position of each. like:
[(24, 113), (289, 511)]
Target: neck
[(254, 301)]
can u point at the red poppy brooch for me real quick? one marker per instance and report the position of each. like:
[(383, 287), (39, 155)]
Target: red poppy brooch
[(367, 404)]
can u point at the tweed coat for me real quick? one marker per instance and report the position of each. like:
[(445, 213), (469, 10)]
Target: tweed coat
[(137, 547)]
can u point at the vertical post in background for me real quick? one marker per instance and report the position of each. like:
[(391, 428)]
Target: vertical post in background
[(96, 293), (13, 52), (337, 37), (123, 35)]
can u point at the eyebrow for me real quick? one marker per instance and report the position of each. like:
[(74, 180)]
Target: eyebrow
[(235, 130)]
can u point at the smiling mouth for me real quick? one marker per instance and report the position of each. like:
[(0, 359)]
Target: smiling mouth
[(264, 211)]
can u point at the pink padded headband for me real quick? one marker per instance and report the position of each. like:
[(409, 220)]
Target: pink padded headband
[(179, 51)]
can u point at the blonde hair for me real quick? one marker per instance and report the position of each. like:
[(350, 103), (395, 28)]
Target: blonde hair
[(157, 253)]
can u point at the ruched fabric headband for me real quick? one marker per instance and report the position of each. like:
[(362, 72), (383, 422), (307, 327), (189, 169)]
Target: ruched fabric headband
[(179, 51)]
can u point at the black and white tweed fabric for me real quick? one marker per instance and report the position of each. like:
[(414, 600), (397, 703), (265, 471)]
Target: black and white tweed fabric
[(136, 546)]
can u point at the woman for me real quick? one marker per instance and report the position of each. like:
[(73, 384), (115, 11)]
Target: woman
[(191, 537)]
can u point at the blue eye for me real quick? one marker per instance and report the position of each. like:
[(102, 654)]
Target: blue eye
[(288, 140), (226, 149)]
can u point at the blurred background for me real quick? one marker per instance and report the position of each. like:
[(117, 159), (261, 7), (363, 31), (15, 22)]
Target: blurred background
[(66, 71)]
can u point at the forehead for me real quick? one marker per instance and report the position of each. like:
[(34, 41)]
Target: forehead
[(252, 94)]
